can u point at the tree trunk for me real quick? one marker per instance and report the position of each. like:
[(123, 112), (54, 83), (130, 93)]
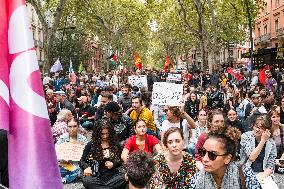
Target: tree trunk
[(48, 32)]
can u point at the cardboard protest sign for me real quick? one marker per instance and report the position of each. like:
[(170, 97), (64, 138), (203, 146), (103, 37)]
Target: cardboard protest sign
[(69, 151), (167, 93), (174, 77), (139, 81)]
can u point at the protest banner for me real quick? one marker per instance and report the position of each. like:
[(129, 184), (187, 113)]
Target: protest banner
[(139, 81), (174, 77), (69, 151), (167, 93)]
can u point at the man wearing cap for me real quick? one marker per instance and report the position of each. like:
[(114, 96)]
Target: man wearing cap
[(122, 123), (86, 113), (63, 102)]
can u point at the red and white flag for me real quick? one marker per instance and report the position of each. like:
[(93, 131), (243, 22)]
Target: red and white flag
[(235, 73)]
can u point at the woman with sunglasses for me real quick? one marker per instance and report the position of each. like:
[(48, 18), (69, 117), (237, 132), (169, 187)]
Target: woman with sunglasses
[(258, 149), (173, 169), (220, 169)]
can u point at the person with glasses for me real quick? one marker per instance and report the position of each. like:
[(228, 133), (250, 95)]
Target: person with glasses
[(215, 120), (174, 168), (221, 171), (258, 149)]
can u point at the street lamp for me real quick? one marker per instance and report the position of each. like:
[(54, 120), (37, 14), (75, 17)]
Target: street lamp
[(250, 33)]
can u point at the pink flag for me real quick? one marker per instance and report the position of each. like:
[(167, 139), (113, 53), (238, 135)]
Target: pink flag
[(4, 69), (32, 158)]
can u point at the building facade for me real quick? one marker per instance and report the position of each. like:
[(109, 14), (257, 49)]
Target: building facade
[(37, 33), (269, 25)]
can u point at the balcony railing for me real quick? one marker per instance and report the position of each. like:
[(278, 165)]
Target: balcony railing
[(280, 32), (264, 39)]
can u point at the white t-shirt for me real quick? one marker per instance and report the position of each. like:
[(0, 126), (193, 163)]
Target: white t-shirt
[(166, 125)]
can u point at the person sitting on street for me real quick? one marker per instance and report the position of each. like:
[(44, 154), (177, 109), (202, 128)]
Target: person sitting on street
[(140, 141), (72, 136)]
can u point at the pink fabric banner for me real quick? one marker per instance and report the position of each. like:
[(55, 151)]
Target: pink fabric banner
[(4, 69), (32, 158)]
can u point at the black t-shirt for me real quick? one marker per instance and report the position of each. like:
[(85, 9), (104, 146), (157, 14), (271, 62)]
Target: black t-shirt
[(87, 111), (257, 165)]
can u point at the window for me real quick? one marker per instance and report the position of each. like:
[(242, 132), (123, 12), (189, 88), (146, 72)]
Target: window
[(276, 24), (265, 29)]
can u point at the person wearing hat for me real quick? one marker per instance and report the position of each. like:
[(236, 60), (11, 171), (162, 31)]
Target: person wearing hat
[(63, 102), (86, 113), (122, 123)]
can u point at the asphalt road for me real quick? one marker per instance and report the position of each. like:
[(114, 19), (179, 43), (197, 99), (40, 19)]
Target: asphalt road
[(279, 181)]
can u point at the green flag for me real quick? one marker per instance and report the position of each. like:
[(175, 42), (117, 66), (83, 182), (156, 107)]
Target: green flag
[(80, 68)]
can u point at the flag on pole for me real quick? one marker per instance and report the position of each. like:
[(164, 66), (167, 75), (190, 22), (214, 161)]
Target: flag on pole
[(235, 73), (4, 68), (72, 74), (138, 62), (167, 63), (262, 74), (80, 69), (56, 66), (113, 58), (32, 158), (70, 67)]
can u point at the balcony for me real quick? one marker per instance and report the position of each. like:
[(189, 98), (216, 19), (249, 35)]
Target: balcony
[(280, 33), (263, 39)]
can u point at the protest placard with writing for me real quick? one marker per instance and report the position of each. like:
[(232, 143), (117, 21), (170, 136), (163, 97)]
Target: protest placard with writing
[(139, 81), (69, 151), (174, 77), (167, 93)]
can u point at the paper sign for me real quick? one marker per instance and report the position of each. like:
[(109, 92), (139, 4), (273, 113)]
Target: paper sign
[(174, 77), (69, 151), (167, 93), (139, 81)]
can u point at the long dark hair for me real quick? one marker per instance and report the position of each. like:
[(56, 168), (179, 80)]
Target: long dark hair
[(96, 147)]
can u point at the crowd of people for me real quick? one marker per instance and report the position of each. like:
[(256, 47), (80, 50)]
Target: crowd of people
[(224, 133)]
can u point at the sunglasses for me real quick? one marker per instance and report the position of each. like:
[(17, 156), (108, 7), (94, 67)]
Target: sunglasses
[(211, 155), (166, 110)]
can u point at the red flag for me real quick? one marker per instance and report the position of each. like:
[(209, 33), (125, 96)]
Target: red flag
[(235, 73), (167, 63), (138, 62), (32, 158), (262, 74)]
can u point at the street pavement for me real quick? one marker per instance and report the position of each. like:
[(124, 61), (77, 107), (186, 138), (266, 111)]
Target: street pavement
[(279, 180)]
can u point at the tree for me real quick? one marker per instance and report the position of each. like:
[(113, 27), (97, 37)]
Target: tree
[(54, 8)]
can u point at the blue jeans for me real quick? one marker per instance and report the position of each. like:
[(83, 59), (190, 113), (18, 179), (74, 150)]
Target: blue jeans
[(70, 176)]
